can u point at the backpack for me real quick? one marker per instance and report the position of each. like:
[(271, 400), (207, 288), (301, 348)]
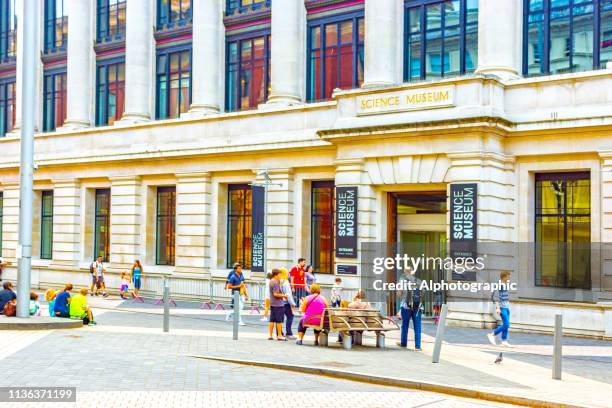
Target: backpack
[(91, 268), (10, 308)]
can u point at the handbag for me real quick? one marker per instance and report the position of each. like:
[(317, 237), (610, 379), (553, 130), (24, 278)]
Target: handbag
[(10, 308)]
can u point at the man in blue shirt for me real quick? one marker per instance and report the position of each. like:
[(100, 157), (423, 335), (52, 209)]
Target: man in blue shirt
[(62, 301), (6, 295), (235, 282)]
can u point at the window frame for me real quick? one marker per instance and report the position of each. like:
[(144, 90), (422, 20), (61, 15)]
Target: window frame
[(231, 6), (104, 14), (167, 53), (102, 111), (247, 220), (354, 17), (98, 217), (63, 97), (171, 226), (546, 14), (166, 22), (239, 39), (422, 5), (46, 217), (51, 23), (6, 102), (331, 184), (538, 214)]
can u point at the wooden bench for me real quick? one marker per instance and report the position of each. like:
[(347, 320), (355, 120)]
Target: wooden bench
[(352, 323)]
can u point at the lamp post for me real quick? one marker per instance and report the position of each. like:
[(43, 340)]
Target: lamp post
[(29, 19), (265, 184)]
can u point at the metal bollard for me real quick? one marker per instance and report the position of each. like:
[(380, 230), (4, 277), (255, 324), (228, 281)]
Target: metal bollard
[(236, 314), (557, 351), (166, 304), (435, 358)]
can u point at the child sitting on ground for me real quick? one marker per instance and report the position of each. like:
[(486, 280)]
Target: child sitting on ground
[(34, 305), (125, 283), (50, 298)]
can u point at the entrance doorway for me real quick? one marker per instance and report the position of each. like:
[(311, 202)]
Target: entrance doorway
[(416, 224)]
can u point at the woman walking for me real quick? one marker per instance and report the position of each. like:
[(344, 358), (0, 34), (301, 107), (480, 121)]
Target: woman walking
[(137, 275)]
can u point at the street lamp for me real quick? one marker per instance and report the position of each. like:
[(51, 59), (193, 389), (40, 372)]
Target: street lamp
[(27, 65)]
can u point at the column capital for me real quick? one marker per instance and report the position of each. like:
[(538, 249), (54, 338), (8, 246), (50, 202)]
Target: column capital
[(196, 176), (131, 179), (66, 182)]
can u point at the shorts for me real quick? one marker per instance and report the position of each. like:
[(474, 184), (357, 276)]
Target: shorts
[(277, 314), (97, 280), (137, 282), (124, 288)]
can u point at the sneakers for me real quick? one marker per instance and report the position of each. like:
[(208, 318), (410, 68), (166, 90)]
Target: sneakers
[(399, 344), (291, 337), (316, 343), (263, 319), (93, 323), (299, 342), (241, 323), (491, 338), (506, 344), (228, 317), (104, 294)]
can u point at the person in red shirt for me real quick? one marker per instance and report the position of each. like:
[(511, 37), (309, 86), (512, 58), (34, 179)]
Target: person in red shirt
[(298, 280)]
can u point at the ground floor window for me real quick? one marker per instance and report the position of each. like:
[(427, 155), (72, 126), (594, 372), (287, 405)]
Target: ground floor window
[(165, 225), (239, 235), (102, 224), (322, 226), (563, 230), (46, 225)]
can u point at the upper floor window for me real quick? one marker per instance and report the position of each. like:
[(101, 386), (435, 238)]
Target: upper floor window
[(56, 26), (335, 55), (441, 39), (173, 83), (110, 92), (173, 13), (244, 6), (248, 72), (110, 20), (8, 33), (566, 36), (54, 108), (7, 106)]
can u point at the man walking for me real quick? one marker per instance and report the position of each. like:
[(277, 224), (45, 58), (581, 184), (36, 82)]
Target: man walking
[(235, 282), (97, 277), (298, 280), (410, 309)]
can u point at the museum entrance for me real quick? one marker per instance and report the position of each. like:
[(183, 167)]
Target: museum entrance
[(416, 224)]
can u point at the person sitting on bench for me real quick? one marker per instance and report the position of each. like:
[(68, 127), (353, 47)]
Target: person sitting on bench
[(313, 305)]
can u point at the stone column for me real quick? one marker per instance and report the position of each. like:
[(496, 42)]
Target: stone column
[(352, 172), (495, 175), (10, 222), (193, 207), (80, 69), (287, 54), (499, 33), (383, 32), (139, 53), (207, 57), (279, 219), (19, 9), (125, 221), (66, 223)]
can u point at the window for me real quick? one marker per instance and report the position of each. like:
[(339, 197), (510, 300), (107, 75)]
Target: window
[(102, 224), (248, 72), (46, 225), (8, 32), (110, 92), (7, 106), (441, 39), (173, 83), (166, 225), (563, 230), (110, 20), (56, 26), (244, 6), (322, 226), (335, 55), (239, 231), (566, 36), (54, 109), (173, 13)]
